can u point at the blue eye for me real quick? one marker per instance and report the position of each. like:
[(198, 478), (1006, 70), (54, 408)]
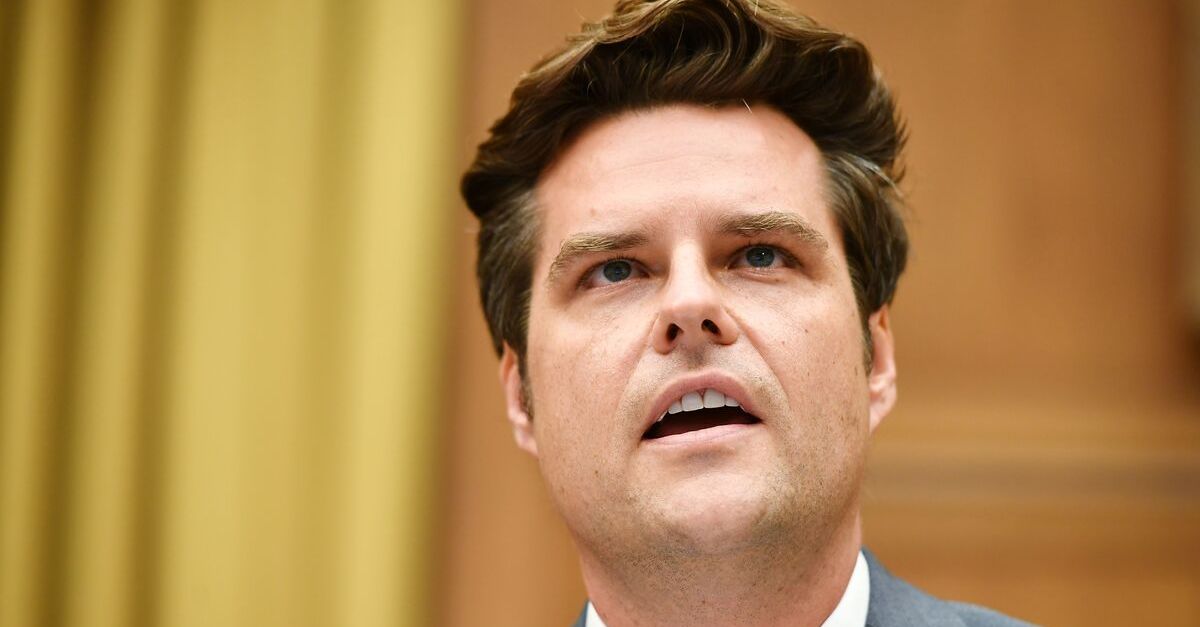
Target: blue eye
[(612, 272), (616, 270), (760, 256)]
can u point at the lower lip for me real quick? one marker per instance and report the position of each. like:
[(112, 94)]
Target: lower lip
[(702, 436)]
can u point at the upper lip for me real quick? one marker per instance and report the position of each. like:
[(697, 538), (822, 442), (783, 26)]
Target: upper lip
[(719, 381)]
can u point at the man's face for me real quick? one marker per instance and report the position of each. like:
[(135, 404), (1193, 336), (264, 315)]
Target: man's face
[(692, 250)]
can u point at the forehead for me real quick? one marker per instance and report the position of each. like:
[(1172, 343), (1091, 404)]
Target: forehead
[(681, 162)]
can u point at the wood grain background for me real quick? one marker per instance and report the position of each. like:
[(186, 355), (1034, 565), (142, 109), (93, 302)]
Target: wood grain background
[(1045, 454)]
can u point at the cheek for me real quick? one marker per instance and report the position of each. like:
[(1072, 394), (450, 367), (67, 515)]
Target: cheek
[(820, 368), (818, 328), (578, 369), (814, 346), (586, 342)]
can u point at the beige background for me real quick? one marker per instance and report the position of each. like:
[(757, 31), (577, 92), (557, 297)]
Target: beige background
[(1045, 454), (220, 333)]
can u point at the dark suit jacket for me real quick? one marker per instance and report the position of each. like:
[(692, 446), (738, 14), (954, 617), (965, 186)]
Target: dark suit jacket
[(895, 603)]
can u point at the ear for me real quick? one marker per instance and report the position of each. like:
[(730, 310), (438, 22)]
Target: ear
[(882, 380), (514, 401)]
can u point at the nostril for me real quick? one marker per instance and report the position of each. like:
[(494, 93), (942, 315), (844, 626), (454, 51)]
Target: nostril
[(711, 327), (673, 331)]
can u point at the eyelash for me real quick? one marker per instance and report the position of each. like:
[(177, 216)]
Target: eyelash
[(789, 260)]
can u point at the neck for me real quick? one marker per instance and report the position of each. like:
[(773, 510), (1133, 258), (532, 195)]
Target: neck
[(772, 584)]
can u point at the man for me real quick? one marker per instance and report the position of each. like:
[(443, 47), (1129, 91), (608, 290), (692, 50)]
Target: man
[(690, 235)]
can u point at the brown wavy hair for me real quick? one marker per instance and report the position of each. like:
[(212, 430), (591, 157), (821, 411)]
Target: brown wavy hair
[(706, 52)]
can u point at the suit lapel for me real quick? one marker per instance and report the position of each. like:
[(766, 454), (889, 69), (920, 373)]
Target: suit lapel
[(895, 603)]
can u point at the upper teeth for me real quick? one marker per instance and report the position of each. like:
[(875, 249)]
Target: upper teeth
[(707, 398)]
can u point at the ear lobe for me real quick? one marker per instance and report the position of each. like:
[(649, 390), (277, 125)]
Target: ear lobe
[(882, 380), (514, 397)]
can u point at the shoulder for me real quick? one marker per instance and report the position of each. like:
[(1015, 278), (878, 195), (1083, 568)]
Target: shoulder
[(896, 603), (976, 616)]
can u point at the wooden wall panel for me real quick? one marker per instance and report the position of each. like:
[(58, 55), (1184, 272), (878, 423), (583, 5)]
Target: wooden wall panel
[(1190, 119), (1045, 454)]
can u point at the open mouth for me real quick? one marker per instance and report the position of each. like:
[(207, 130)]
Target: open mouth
[(699, 410)]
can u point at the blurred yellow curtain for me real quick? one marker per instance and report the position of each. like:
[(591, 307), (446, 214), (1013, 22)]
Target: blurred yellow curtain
[(223, 257)]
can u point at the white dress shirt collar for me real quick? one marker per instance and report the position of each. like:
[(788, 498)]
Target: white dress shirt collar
[(851, 610)]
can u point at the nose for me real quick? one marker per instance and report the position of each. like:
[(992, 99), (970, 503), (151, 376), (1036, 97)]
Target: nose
[(692, 312)]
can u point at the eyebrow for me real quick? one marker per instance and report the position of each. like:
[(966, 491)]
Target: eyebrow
[(582, 244), (743, 224), (749, 225)]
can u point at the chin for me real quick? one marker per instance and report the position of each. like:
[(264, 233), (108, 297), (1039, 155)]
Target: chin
[(714, 515)]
